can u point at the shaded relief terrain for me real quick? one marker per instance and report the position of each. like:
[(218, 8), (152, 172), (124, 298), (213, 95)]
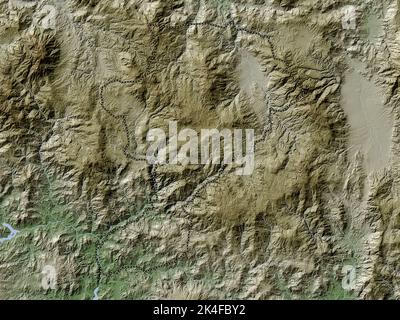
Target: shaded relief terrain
[(83, 214)]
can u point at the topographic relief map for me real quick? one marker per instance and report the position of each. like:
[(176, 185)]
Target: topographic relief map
[(199, 149)]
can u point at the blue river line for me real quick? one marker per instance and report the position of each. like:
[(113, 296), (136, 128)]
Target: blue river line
[(12, 234), (96, 292)]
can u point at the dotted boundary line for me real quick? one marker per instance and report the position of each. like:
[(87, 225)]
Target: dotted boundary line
[(152, 168)]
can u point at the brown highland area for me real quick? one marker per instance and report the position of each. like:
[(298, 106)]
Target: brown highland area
[(81, 84)]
